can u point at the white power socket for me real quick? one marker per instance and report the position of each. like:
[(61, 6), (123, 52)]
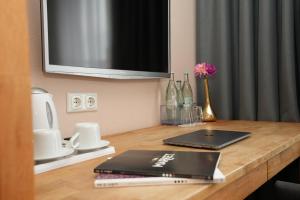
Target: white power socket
[(81, 102), (91, 101)]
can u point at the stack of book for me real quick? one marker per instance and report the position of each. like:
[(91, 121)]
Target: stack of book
[(144, 167)]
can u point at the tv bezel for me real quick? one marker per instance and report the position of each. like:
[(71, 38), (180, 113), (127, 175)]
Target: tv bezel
[(92, 71)]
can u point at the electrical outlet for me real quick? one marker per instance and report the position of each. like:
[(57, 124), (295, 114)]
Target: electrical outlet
[(91, 101), (75, 102), (81, 102)]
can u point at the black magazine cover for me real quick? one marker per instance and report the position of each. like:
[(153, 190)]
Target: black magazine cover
[(163, 163)]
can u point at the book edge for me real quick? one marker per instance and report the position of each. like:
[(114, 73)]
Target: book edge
[(123, 182)]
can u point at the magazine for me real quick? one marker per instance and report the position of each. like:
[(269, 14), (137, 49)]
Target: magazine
[(180, 164), (122, 180)]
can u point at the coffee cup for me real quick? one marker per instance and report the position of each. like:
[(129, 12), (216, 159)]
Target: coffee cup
[(88, 134), (47, 142)]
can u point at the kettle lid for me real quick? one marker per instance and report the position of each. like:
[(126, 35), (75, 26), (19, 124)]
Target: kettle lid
[(37, 90)]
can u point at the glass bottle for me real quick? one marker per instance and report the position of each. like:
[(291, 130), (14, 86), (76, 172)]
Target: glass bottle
[(171, 99), (179, 93), (187, 92)]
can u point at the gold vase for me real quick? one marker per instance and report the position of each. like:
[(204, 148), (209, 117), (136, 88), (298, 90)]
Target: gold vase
[(208, 113)]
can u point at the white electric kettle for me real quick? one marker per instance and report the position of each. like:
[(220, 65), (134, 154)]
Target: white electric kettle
[(43, 110)]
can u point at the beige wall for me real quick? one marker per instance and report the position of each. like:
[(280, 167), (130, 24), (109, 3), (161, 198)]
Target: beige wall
[(183, 42), (123, 105)]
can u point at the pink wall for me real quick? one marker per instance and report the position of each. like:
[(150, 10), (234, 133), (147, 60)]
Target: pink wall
[(123, 105)]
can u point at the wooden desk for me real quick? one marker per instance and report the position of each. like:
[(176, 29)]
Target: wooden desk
[(247, 164)]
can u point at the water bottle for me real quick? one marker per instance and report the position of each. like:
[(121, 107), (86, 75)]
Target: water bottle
[(187, 92), (179, 93), (171, 100)]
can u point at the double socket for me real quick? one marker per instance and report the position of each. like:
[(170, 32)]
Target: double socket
[(82, 102)]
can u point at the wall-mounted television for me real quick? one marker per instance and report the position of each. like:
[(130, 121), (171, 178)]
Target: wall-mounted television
[(107, 38)]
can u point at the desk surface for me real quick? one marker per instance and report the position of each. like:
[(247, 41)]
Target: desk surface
[(246, 164)]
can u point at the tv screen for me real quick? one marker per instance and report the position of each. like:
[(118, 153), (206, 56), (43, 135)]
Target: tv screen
[(107, 38)]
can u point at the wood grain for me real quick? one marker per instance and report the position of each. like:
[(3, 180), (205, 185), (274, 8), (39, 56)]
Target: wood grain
[(243, 186), (16, 159), (278, 162), (240, 162)]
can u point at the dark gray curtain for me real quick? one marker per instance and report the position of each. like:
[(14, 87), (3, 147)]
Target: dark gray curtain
[(255, 45)]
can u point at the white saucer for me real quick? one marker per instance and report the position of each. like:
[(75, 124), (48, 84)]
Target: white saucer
[(101, 143), (64, 152)]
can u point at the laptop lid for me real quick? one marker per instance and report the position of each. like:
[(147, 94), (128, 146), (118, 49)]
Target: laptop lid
[(208, 139)]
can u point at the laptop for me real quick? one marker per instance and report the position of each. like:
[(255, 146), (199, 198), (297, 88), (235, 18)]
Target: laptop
[(208, 139)]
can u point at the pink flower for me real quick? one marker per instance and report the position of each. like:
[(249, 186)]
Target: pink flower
[(204, 69), (211, 69), (200, 70)]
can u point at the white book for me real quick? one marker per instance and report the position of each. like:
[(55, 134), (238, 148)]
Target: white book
[(119, 180)]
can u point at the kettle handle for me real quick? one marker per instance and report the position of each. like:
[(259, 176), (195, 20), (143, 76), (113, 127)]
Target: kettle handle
[(49, 115)]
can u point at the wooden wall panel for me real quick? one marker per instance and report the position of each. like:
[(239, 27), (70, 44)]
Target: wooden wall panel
[(16, 162)]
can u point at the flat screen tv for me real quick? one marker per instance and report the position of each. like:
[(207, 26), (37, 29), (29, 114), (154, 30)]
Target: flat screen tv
[(106, 38)]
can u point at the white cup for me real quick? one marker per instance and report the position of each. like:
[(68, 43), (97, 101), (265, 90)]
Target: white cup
[(88, 134), (47, 142)]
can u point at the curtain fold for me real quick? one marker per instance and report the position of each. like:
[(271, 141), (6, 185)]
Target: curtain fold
[(255, 46)]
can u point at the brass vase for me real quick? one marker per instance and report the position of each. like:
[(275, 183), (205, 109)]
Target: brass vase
[(208, 113)]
